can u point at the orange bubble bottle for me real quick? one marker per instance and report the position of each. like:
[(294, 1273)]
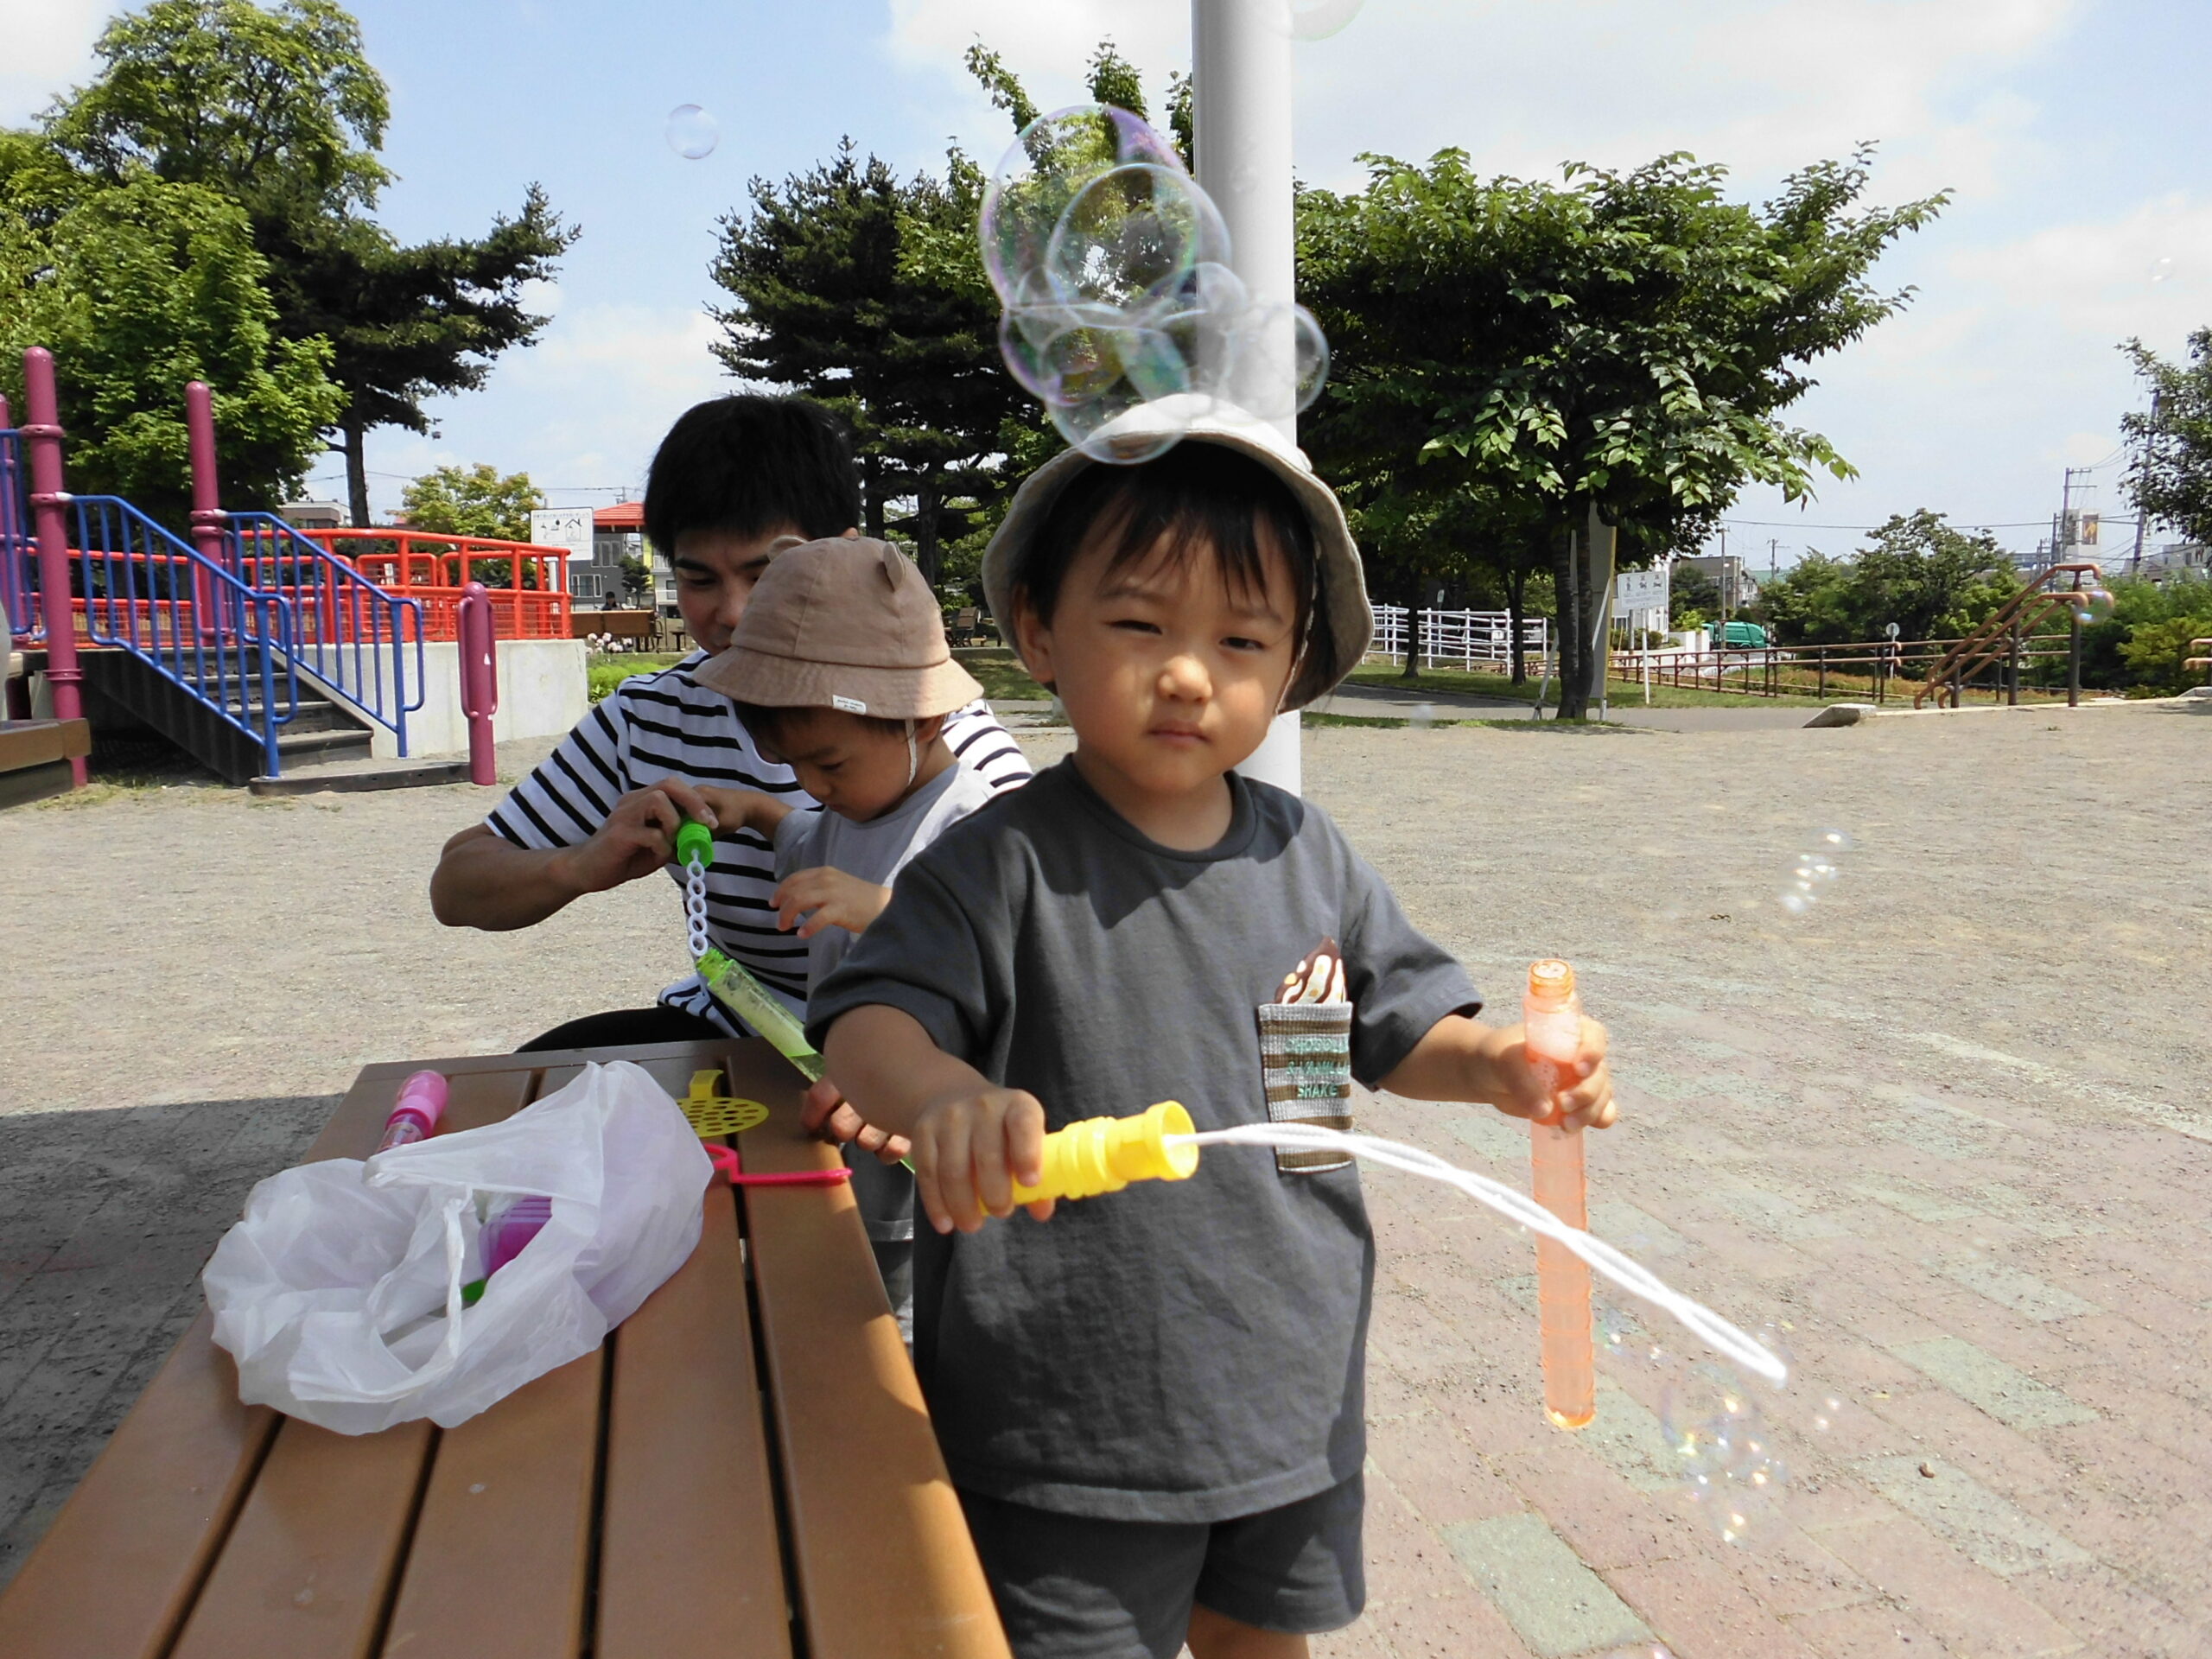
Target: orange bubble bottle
[(1551, 1013)]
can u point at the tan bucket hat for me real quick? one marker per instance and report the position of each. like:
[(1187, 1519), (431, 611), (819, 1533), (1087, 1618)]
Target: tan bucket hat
[(1195, 418), (843, 624)]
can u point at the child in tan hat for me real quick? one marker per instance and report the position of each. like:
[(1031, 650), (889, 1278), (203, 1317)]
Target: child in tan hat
[(840, 669)]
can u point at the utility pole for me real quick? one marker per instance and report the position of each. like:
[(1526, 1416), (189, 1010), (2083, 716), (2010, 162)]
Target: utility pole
[(1241, 66), (2143, 518)]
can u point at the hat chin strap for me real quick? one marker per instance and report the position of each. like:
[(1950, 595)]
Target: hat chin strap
[(913, 755)]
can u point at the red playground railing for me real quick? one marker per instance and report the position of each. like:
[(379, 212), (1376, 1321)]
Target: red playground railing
[(528, 585)]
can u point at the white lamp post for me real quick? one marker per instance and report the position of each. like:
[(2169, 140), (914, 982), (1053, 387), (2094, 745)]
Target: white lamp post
[(1241, 74)]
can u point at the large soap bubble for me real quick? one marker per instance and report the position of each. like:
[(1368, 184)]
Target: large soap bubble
[(1113, 268), (691, 132)]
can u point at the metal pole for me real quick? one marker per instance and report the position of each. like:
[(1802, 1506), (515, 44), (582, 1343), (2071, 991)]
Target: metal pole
[(2074, 659), (2012, 682), (478, 652), (207, 516), (1598, 546), (1240, 100), (42, 433)]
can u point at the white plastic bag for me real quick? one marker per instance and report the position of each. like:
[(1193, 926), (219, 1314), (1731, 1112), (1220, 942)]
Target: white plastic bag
[(340, 1291)]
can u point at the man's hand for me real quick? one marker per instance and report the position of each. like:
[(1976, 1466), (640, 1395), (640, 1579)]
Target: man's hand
[(970, 1148), (824, 1112), (828, 898), (1577, 1094), (637, 838)]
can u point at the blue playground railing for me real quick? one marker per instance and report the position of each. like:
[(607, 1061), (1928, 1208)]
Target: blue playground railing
[(18, 542), (223, 642), (350, 635)]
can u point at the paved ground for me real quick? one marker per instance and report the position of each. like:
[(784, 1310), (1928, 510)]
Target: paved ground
[(1949, 1129)]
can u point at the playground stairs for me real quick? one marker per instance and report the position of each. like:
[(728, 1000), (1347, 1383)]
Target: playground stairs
[(318, 729)]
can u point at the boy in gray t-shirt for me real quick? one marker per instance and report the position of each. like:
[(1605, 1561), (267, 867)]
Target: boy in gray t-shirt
[(1152, 1404), (840, 667)]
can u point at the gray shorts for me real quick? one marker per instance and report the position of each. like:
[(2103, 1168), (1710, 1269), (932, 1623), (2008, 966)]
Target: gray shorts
[(1072, 1587)]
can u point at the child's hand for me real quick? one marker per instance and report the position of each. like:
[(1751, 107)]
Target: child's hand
[(744, 809), (637, 838), (824, 1112), (970, 1148), (1523, 1086), (828, 898)]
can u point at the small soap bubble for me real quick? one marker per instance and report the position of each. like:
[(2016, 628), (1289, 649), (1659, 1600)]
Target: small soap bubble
[(1305, 20), (692, 132), (1623, 1340), (2092, 606), (1840, 839), (2161, 270), (1422, 717), (1731, 1473)]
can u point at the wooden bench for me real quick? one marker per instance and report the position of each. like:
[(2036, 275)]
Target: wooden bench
[(744, 1468), (34, 757), (632, 630)]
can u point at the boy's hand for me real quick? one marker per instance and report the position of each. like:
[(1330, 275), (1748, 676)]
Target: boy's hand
[(744, 809), (828, 898), (1576, 1094), (824, 1112), (970, 1148), (637, 838)]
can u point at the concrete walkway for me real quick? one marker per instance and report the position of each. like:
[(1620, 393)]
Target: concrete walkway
[(1946, 1136)]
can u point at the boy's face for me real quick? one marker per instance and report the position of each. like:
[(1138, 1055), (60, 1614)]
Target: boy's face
[(716, 571), (1169, 675), (856, 770)]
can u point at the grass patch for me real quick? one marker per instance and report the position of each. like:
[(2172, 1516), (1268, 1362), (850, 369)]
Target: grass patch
[(604, 670), (1621, 691), (1000, 674)]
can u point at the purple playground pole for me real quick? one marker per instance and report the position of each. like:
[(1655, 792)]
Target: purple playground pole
[(479, 679), (206, 494), (42, 433)]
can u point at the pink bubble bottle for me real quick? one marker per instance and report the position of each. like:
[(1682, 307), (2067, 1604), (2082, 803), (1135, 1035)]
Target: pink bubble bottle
[(1551, 1013)]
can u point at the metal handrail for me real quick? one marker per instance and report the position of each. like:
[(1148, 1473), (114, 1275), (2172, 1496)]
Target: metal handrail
[(196, 624), (18, 540), (353, 635), (532, 592), (2024, 613)]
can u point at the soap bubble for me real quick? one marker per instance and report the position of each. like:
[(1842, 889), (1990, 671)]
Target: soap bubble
[(1731, 1473), (1112, 267), (1305, 20), (2161, 270), (2091, 606), (1423, 717), (1812, 873), (691, 132), (1623, 1340)]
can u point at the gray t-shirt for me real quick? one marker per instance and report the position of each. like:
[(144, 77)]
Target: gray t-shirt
[(874, 851), (1188, 1350)]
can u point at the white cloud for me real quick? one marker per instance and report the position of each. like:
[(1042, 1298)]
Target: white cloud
[(48, 49)]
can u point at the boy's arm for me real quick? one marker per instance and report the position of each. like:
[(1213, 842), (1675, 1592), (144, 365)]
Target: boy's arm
[(485, 881), (967, 1134), (745, 808), (1459, 1058)]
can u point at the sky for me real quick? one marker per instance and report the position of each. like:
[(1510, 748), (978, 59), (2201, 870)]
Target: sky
[(2073, 134)]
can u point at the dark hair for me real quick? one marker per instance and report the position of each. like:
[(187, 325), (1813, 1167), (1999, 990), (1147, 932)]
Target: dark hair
[(1197, 492), (750, 463), (767, 720)]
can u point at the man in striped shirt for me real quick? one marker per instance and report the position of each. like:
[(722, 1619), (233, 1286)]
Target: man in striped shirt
[(736, 480)]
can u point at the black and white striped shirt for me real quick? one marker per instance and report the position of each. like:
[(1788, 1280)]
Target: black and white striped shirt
[(657, 726)]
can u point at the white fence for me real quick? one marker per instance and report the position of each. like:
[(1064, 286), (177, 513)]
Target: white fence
[(1466, 639)]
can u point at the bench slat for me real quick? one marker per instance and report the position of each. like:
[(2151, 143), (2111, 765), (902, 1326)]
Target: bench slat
[(308, 1569), (300, 1531), (499, 1560), (866, 1496), (689, 1563), (122, 1562)]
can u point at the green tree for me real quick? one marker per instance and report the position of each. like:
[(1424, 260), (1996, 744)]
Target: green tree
[(2170, 480), (1934, 581), (1693, 598), (138, 288), (479, 501), (1629, 340), (279, 109)]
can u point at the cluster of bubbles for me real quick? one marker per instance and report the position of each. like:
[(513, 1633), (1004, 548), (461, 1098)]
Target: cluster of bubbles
[(691, 132), (1729, 1469), (1112, 266), (1815, 872)]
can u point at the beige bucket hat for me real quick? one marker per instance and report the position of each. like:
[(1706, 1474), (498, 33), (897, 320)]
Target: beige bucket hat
[(1195, 418), (843, 624)]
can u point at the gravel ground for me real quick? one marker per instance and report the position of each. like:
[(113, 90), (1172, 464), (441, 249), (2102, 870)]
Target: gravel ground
[(1995, 1016)]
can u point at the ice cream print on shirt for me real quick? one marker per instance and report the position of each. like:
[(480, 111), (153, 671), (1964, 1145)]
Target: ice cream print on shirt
[(1306, 1053)]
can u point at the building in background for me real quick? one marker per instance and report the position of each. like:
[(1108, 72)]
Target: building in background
[(313, 515), (1725, 572)]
